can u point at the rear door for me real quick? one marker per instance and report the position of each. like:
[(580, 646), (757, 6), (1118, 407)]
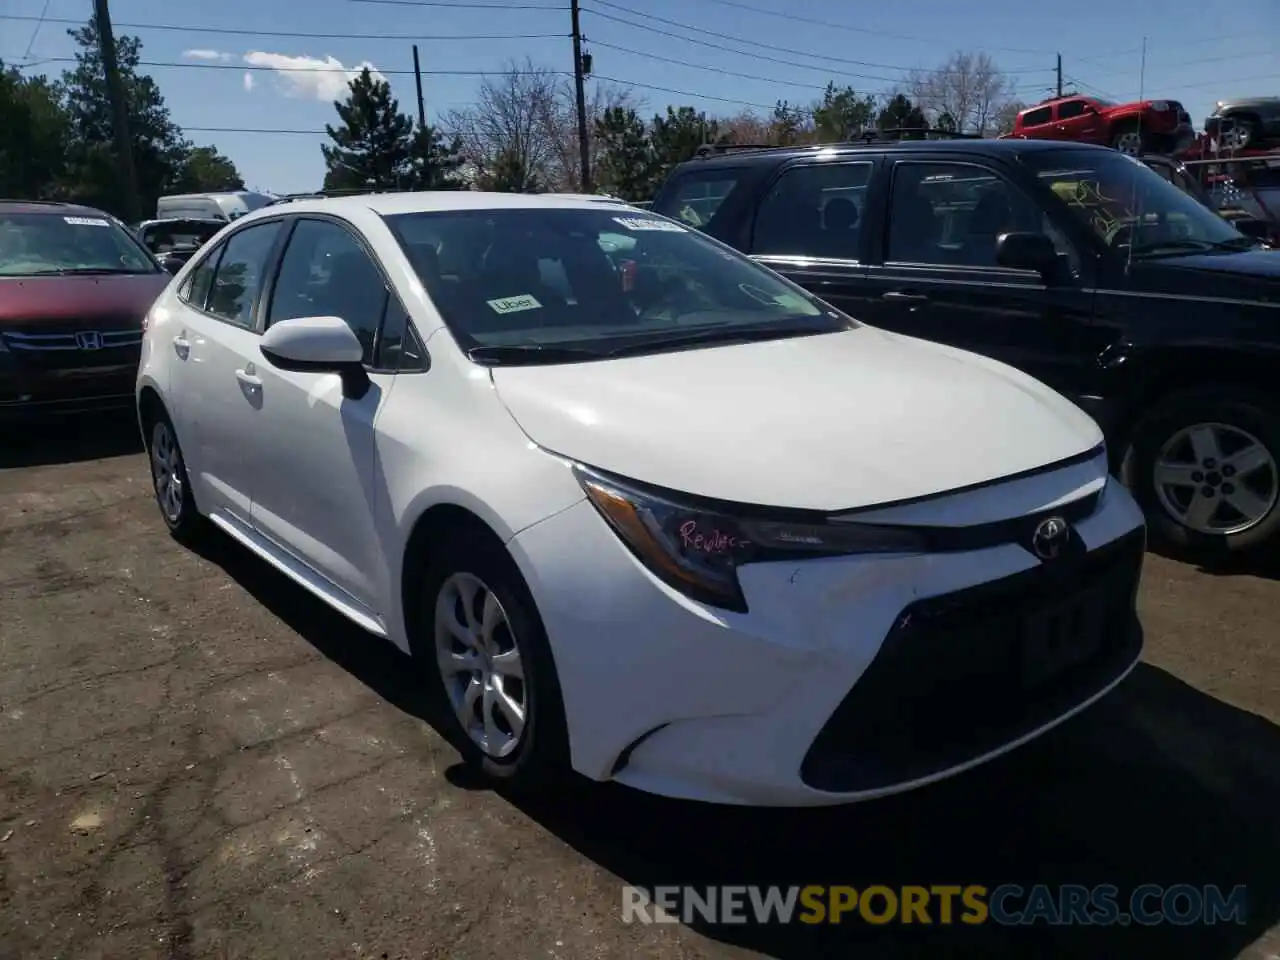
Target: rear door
[(809, 227), (1039, 124), (933, 274)]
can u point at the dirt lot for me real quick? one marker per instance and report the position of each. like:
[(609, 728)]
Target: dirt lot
[(197, 760)]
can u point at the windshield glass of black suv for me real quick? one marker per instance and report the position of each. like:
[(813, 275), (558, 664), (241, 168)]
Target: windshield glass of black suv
[(595, 281), (1131, 207), (50, 244)]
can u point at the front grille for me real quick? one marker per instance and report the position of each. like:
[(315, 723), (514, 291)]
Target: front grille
[(963, 674), (61, 349)]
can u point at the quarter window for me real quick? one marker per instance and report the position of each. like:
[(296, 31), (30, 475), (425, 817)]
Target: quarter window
[(951, 214), (195, 291), (814, 211), (238, 279), (325, 272)]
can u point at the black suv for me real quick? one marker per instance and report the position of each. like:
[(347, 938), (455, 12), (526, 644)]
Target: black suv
[(1074, 263)]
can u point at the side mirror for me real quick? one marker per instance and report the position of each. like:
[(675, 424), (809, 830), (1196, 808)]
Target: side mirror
[(318, 345), (172, 264), (1027, 251)]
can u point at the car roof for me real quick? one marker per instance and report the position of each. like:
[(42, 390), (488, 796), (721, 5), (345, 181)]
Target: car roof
[(435, 201), (52, 207), (737, 157)]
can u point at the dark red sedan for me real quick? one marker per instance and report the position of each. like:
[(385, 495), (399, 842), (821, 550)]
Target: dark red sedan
[(75, 285)]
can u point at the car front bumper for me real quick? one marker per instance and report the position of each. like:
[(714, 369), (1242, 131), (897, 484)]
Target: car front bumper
[(849, 678), (30, 392)]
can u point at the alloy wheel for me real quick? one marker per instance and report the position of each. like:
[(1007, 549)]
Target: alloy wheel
[(1216, 479), (1129, 143), (480, 662), (166, 472)]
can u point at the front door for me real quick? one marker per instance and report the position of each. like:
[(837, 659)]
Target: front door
[(936, 276), (218, 351), (1079, 122), (318, 483)]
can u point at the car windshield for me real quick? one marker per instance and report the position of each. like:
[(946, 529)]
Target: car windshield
[(52, 244), (1130, 207), (576, 283)]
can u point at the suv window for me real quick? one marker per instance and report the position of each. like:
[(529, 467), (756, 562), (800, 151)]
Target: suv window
[(1072, 108), (695, 198), (325, 272), (195, 290), (1035, 118), (814, 211), (239, 275), (951, 213)]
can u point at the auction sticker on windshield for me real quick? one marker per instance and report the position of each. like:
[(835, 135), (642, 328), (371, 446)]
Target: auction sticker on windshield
[(639, 223), (86, 222), (514, 304)]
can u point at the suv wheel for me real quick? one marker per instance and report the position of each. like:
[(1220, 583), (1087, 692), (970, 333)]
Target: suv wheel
[(1206, 467), (478, 634), (1129, 139)]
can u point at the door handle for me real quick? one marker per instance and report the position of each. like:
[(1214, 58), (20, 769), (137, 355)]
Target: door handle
[(898, 296), (249, 378), (181, 346)]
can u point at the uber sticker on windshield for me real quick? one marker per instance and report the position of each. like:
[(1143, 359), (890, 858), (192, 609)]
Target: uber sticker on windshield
[(641, 223), (86, 221), (514, 304)]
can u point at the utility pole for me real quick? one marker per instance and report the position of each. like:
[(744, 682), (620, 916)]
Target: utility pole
[(584, 152), (119, 111), (417, 78), (1059, 74)]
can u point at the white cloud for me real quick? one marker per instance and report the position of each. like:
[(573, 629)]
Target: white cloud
[(248, 81), (311, 77), (208, 55)]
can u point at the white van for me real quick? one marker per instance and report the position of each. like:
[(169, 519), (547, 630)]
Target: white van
[(210, 206)]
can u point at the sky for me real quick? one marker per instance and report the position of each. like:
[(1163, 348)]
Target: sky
[(219, 65)]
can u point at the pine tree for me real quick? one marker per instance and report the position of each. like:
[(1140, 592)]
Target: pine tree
[(372, 147)]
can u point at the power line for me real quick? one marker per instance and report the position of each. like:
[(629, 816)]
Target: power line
[(40, 22), (253, 67), (463, 6), (289, 34), (1190, 63), (703, 66), (309, 133), (795, 18), (769, 46)]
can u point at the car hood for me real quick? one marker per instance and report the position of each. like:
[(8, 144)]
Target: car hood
[(114, 297), (1248, 275), (827, 422)]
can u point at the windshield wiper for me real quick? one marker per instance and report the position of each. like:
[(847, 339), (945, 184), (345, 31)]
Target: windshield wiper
[(530, 353), (722, 336), (97, 271), (1180, 246)]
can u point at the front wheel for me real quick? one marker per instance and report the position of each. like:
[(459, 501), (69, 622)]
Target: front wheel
[(1207, 469), (478, 633)]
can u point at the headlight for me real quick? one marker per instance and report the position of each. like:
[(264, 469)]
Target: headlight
[(698, 549)]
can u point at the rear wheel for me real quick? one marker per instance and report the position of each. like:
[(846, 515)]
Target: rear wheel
[(1206, 467), (169, 480)]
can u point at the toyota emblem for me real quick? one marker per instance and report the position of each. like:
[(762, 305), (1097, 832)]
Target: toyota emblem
[(89, 340), (1050, 538)]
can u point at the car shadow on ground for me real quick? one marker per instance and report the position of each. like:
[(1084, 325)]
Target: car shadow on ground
[(75, 439), (1157, 784)]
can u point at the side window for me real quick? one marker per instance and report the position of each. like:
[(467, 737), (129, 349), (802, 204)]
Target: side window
[(695, 198), (238, 279), (950, 214), (1071, 108), (195, 291), (1036, 118), (398, 346), (325, 272), (813, 211)]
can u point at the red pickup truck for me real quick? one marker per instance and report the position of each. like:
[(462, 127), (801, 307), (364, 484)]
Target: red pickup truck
[(1146, 126)]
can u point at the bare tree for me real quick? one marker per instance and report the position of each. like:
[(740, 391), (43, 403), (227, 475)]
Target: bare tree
[(1003, 119), (510, 125), (968, 87), (747, 127), (563, 129)]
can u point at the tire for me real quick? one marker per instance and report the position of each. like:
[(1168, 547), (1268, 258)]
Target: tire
[(538, 758), (1165, 446), (1128, 138), (169, 480)]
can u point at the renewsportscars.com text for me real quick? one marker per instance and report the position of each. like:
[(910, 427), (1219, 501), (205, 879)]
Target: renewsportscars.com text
[(1005, 905)]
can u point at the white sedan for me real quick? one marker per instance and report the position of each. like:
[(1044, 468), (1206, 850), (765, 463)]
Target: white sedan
[(644, 510)]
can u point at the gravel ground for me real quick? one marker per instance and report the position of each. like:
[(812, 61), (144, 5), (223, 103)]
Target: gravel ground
[(198, 760)]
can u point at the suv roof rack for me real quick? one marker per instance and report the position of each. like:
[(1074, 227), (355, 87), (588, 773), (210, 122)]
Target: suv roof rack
[(327, 194), (38, 203), (894, 134)]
